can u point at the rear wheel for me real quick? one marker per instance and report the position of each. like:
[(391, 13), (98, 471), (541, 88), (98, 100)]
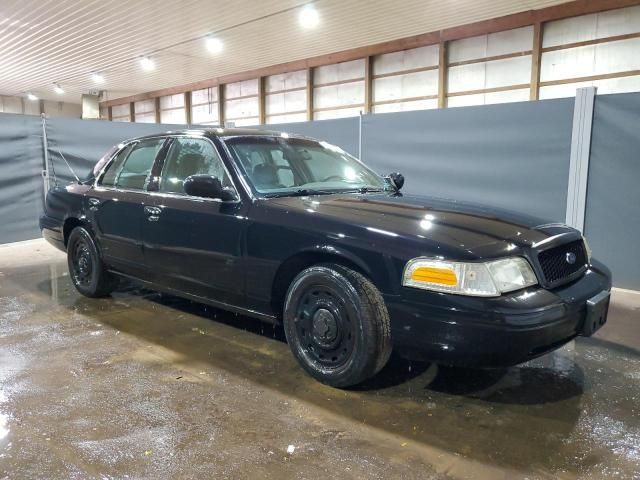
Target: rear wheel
[(337, 325), (87, 271)]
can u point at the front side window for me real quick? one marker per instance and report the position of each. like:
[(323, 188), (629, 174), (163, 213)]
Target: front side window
[(190, 156), (131, 167), (282, 166)]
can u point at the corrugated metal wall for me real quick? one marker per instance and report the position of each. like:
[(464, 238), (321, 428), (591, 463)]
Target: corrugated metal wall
[(599, 49)]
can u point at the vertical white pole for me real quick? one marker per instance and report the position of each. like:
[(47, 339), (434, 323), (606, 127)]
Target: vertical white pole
[(360, 137), (579, 160), (45, 147)]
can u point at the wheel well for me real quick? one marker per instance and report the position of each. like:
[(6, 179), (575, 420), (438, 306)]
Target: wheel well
[(294, 265), (69, 225)]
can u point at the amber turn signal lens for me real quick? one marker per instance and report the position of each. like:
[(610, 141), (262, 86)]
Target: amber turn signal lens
[(441, 276)]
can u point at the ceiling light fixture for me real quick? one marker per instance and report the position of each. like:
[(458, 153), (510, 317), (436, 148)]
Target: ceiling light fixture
[(214, 44), (32, 97), (58, 89), (97, 78), (309, 17), (147, 63)]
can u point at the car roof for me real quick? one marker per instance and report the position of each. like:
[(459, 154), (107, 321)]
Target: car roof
[(223, 132)]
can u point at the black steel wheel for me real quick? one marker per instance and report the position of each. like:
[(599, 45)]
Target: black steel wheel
[(337, 325), (86, 269)]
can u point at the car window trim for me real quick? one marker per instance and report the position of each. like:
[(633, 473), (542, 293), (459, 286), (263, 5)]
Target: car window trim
[(239, 171)]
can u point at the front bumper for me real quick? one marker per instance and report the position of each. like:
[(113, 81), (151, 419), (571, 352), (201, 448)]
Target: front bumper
[(491, 332)]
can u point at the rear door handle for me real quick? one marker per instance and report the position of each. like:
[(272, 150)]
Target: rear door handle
[(153, 213)]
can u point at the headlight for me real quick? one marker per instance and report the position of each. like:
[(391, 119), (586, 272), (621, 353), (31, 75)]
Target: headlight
[(488, 279)]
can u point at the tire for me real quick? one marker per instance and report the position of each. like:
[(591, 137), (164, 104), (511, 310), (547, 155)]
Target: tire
[(86, 269), (337, 325)]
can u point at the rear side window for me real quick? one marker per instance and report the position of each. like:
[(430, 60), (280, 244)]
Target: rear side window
[(109, 177), (131, 168)]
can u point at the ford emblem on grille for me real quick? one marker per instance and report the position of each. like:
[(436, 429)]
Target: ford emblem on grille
[(570, 258)]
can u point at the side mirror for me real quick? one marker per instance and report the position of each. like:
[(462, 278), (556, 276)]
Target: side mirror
[(397, 180), (207, 186)]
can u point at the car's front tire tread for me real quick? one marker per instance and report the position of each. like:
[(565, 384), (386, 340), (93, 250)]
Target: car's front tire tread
[(375, 346)]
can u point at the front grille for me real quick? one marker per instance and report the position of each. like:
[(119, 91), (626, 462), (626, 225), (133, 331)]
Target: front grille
[(555, 266)]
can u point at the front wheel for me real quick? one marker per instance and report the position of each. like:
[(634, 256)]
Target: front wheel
[(337, 325), (87, 271)]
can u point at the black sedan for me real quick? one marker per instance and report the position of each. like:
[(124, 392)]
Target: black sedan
[(294, 230)]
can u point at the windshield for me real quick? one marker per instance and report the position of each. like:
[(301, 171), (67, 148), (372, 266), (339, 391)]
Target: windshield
[(279, 166)]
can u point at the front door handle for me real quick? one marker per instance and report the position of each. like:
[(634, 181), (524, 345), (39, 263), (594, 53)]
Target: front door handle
[(152, 210), (153, 213), (94, 203)]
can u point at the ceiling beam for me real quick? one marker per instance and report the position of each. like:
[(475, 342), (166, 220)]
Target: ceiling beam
[(508, 22)]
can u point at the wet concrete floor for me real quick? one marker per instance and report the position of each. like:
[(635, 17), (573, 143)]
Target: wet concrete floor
[(147, 386)]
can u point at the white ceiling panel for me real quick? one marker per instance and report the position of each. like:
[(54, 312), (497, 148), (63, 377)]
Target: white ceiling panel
[(64, 41)]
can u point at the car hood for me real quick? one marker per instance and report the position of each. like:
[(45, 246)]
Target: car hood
[(472, 231)]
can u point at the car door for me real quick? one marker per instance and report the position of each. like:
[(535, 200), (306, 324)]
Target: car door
[(116, 205), (194, 244)]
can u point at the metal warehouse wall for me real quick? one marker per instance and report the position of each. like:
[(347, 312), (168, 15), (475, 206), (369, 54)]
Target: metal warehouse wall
[(527, 61)]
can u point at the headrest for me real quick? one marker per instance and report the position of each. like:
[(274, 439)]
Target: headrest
[(191, 164), (265, 175)]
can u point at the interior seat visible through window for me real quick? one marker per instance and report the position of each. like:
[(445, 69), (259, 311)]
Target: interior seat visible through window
[(265, 176)]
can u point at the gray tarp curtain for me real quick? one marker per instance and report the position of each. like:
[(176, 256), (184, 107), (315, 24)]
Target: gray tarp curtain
[(343, 132), (513, 156), (83, 142), (21, 187), (612, 223)]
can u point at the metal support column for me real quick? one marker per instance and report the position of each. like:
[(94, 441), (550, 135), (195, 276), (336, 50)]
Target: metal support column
[(579, 160)]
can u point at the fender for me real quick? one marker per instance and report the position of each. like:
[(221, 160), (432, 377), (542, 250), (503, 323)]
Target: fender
[(383, 275), (328, 249)]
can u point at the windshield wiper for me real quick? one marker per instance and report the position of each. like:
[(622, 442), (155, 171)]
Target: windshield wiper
[(363, 190), (303, 192)]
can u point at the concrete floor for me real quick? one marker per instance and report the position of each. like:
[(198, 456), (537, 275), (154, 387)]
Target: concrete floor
[(145, 386)]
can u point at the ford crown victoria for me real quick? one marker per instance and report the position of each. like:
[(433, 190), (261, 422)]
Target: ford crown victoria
[(296, 231)]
